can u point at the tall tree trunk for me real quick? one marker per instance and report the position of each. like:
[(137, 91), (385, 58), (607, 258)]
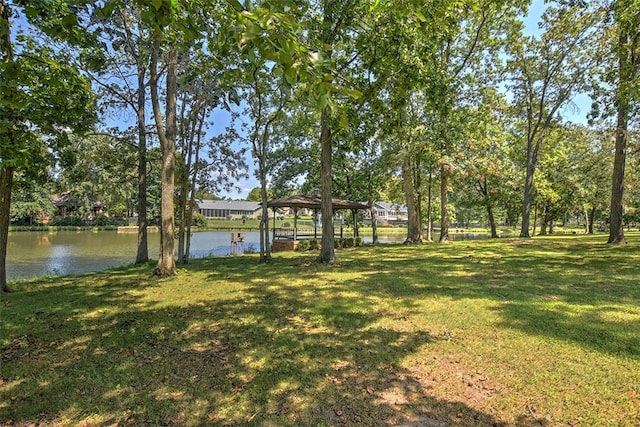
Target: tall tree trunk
[(142, 254), (166, 262), (182, 178), (194, 180), (374, 219), (526, 199), (590, 219), (413, 220), (6, 182), (616, 225), (484, 190), (429, 207), (6, 173), (444, 203), (327, 252), (628, 68), (492, 222), (544, 220), (265, 248)]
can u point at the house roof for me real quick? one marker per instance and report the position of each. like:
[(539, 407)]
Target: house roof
[(312, 202), (234, 205), (391, 206)]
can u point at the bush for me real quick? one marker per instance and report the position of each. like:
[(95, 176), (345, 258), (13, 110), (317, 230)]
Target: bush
[(286, 225), (348, 242), (68, 221), (303, 245), (337, 243), (198, 220), (358, 241), (118, 210), (314, 245)]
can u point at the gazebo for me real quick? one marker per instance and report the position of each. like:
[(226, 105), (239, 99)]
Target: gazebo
[(287, 238)]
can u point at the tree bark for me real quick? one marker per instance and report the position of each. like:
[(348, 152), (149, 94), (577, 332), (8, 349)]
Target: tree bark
[(413, 221), (6, 182), (590, 218), (616, 224), (166, 262), (6, 173), (327, 252), (142, 254)]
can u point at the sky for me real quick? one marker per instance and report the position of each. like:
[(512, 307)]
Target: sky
[(576, 111)]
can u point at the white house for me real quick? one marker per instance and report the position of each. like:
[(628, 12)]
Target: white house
[(390, 212), (228, 208)]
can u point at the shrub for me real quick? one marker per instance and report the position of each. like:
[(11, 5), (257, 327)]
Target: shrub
[(286, 225), (198, 220), (101, 221), (303, 245), (314, 245), (358, 241), (348, 242), (66, 221), (337, 243), (118, 210)]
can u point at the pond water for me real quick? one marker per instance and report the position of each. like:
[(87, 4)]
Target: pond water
[(34, 254)]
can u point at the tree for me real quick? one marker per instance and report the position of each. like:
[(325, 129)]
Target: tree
[(626, 15), (126, 53), (266, 98), (30, 202), (546, 74), (101, 170), (485, 163), (42, 98)]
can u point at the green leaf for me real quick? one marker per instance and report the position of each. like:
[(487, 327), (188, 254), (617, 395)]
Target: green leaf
[(323, 101), (344, 121), (290, 75), (353, 93)]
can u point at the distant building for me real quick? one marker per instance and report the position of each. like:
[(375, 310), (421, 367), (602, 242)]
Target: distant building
[(67, 205), (228, 208), (390, 212)]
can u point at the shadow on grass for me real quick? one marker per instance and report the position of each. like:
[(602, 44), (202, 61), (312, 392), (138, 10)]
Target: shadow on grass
[(98, 351), (244, 344), (565, 290)]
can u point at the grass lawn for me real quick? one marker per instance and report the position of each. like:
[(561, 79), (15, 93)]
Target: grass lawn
[(507, 333)]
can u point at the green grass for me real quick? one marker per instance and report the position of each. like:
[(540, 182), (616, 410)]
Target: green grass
[(509, 332)]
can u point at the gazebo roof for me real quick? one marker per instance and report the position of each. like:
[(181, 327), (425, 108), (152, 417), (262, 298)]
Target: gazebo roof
[(313, 202)]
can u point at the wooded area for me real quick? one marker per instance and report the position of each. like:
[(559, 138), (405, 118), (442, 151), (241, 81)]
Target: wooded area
[(451, 108)]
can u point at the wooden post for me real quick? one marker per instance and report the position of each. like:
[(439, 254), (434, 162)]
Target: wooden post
[(355, 224), (315, 224), (295, 224), (274, 225)]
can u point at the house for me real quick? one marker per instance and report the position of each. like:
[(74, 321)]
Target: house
[(228, 208), (66, 205), (390, 212)]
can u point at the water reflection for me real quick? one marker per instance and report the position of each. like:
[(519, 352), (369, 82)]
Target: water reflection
[(34, 254)]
